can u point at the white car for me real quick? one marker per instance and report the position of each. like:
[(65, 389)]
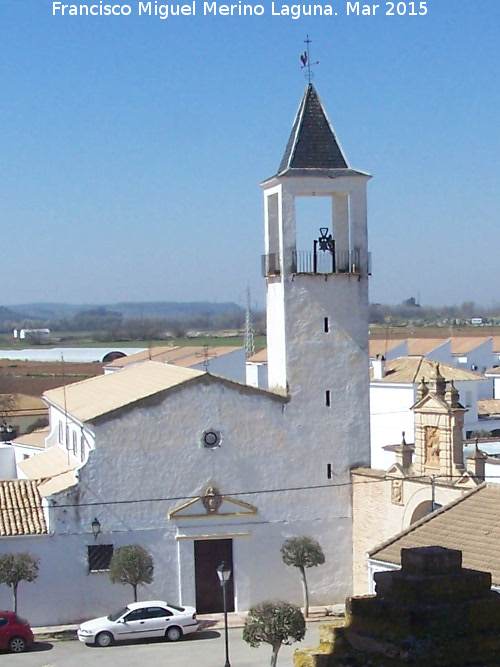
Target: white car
[(152, 618)]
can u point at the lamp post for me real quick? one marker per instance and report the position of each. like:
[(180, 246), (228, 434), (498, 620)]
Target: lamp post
[(224, 574)]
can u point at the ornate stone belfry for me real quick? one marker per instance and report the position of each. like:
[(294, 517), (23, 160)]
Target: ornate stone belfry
[(439, 420)]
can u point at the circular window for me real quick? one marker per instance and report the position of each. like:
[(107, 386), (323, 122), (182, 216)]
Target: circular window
[(211, 439)]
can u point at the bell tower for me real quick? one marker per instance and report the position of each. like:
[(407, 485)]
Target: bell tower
[(317, 296)]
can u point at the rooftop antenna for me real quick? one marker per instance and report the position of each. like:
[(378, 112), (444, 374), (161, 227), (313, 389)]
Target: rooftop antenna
[(207, 355), (249, 337), (306, 62)]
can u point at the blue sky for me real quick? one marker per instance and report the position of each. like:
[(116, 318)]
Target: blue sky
[(132, 147)]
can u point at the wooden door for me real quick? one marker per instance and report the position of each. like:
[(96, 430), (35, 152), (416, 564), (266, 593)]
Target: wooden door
[(208, 555)]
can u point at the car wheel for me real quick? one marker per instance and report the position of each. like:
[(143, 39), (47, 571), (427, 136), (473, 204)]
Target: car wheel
[(173, 633), (104, 639), (17, 645)]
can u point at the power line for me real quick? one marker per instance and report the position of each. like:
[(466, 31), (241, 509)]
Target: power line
[(317, 487)]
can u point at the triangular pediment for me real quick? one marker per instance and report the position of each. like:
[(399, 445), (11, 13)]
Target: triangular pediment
[(396, 470), (212, 504), (431, 403), (466, 480)]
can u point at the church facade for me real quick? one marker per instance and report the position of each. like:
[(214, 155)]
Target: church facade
[(199, 468)]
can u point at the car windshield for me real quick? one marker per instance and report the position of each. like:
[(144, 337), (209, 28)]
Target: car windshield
[(175, 606), (116, 614)]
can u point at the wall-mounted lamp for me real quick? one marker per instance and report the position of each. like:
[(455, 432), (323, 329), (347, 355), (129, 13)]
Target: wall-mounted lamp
[(6, 432), (96, 527)]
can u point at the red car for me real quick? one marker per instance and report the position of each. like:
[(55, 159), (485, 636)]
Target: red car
[(15, 632)]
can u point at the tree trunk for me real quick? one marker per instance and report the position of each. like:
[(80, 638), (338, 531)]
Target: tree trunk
[(134, 586), (14, 594), (305, 590), (274, 654)]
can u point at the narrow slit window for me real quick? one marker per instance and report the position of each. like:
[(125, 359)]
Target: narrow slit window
[(327, 325), (327, 398)]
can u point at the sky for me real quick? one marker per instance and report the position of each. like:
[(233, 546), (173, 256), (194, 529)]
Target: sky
[(132, 147)]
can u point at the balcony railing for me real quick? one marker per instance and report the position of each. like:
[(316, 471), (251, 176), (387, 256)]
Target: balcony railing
[(323, 263)]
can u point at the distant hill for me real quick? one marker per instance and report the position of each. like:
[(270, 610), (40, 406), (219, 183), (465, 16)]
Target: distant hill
[(55, 311), (8, 314)]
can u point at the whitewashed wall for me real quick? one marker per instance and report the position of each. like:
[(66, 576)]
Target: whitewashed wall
[(390, 415), (155, 452)]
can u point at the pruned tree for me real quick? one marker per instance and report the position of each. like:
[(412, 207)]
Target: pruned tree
[(303, 552), (17, 567), (131, 564), (274, 623)]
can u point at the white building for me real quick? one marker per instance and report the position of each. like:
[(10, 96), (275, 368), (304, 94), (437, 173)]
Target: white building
[(220, 360), (31, 334), (393, 391), (199, 468)]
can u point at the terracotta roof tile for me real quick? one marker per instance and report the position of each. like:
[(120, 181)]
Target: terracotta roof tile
[(381, 346), (464, 344), (471, 524), (185, 356), (488, 406), (404, 370), (21, 510), (259, 357), (49, 463), (422, 346), (34, 439), (103, 394)]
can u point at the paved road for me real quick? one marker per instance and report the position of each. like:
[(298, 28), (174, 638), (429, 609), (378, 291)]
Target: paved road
[(202, 649)]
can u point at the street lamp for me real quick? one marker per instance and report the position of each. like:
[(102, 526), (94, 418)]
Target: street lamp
[(224, 574)]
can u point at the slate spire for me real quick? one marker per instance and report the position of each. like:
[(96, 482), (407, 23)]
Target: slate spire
[(312, 143)]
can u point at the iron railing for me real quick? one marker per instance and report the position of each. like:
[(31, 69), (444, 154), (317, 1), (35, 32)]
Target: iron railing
[(309, 262)]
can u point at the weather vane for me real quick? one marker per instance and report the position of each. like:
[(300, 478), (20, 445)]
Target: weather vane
[(304, 59)]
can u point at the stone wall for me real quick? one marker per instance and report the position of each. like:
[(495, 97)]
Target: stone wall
[(431, 613)]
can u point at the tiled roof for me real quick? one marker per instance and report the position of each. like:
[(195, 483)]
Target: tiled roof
[(471, 524), (259, 357), (100, 395), (487, 407), (420, 346), (408, 370), (464, 344), (21, 510), (24, 405), (186, 356), (381, 346), (33, 439), (57, 483), (312, 143), (53, 461)]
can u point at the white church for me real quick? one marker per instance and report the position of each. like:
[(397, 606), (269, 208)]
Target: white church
[(199, 468)]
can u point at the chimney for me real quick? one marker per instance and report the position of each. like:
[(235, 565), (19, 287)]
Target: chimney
[(378, 366)]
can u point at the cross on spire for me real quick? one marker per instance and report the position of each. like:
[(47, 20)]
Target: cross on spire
[(306, 61)]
